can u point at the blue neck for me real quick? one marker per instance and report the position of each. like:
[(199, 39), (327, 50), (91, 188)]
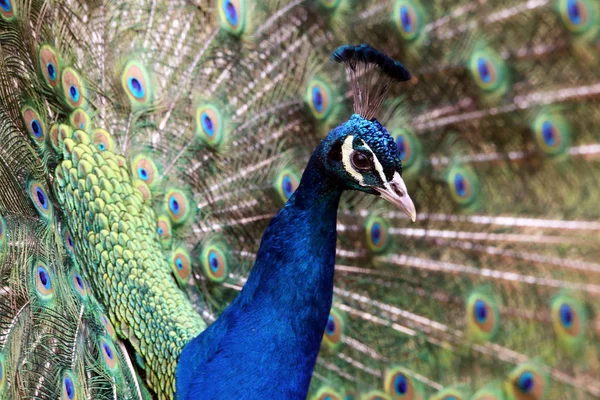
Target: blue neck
[(267, 341)]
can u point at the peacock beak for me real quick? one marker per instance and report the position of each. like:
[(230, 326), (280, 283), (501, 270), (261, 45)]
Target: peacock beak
[(395, 192)]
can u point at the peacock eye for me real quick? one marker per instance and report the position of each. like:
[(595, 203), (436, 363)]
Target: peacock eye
[(361, 161)]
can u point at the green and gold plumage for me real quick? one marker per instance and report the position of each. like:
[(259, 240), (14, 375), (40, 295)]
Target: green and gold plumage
[(146, 144)]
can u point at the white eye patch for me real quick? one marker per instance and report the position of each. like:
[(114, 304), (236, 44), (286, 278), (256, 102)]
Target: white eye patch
[(347, 150)]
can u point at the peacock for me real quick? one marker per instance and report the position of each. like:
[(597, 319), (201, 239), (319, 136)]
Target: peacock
[(145, 146)]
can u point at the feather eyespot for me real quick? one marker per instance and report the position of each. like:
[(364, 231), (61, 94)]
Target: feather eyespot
[(73, 88), (40, 199), (578, 16), (79, 284), (286, 184), (334, 329), (569, 321), (399, 385), (69, 389), (48, 64), (527, 382), (463, 185), (409, 150), (552, 133), (34, 124), (209, 125), (69, 241), (6, 9), (214, 263), (404, 148), (178, 206), (136, 84), (79, 119), (144, 169), (109, 354), (181, 264), (489, 70), (43, 281), (319, 99), (103, 140), (164, 231), (408, 19), (233, 14), (483, 317), (376, 232)]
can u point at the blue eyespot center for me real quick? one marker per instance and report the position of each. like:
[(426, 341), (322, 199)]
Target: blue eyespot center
[(44, 278), (526, 382), (101, 147), (74, 93), (484, 70), (288, 186), (160, 231), (51, 71), (143, 174), (376, 233), (401, 146), (213, 261), (207, 125), (174, 205), (41, 198), (36, 128), (108, 351), (5, 5), (460, 185), (179, 263), (566, 315), (69, 388), (317, 98), (574, 11), (135, 87), (401, 384), (548, 133), (230, 12), (480, 311), (70, 240), (406, 20), (79, 281), (330, 328)]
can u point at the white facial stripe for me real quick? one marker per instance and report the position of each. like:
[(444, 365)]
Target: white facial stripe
[(346, 151), (378, 166)]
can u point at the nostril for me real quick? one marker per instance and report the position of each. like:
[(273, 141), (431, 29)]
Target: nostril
[(397, 189)]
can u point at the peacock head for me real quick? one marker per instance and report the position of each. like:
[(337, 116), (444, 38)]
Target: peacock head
[(361, 153)]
